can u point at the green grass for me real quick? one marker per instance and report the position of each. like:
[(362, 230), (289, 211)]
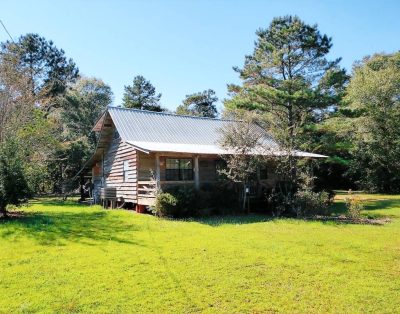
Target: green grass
[(63, 258)]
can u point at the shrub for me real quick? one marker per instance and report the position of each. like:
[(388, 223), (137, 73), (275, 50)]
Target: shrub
[(220, 198), (165, 205), (176, 202), (354, 206), (14, 188), (186, 201), (310, 203)]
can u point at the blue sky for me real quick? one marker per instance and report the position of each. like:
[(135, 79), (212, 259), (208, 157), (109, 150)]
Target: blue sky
[(188, 46)]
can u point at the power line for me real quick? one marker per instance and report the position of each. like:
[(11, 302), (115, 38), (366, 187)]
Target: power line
[(5, 28)]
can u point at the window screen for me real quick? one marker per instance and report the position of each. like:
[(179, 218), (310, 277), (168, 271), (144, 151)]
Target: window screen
[(179, 169)]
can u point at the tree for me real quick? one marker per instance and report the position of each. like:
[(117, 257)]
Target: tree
[(13, 186), (16, 102), (242, 139), (200, 104), (141, 95), (84, 103), (289, 80), (47, 67), (374, 96)]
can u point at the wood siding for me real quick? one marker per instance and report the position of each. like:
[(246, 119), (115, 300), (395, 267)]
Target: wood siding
[(114, 158)]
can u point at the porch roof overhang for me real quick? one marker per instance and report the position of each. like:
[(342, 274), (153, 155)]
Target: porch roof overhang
[(148, 147)]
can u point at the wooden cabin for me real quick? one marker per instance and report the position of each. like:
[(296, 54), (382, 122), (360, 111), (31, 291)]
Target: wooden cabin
[(139, 151)]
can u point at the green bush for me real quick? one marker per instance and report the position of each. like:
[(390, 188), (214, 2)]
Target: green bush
[(165, 205), (310, 203), (14, 189), (183, 201), (217, 199), (176, 202)]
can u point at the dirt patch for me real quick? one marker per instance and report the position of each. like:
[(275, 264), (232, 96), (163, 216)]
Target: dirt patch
[(348, 220), (12, 215)]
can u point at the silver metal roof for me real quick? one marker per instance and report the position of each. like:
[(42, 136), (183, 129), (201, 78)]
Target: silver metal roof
[(166, 132)]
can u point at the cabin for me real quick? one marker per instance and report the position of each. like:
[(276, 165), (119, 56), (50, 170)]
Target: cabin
[(140, 151)]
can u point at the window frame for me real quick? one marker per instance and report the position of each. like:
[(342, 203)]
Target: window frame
[(125, 170), (179, 173)]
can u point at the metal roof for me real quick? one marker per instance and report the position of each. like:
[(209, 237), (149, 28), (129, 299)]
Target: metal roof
[(165, 132)]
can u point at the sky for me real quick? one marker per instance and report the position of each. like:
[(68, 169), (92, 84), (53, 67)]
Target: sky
[(188, 46)]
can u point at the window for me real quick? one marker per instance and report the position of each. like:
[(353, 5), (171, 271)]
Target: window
[(179, 169), (125, 170)]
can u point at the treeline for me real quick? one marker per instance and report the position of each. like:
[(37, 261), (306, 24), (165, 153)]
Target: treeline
[(47, 111), (308, 102)]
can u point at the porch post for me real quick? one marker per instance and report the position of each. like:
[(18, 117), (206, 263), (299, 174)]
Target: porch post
[(158, 170), (196, 172)]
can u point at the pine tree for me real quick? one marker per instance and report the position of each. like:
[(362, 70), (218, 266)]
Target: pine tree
[(200, 104), (289, 79), (142, 95)]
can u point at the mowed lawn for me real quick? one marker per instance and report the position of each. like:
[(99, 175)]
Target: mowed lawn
[(67, 258)]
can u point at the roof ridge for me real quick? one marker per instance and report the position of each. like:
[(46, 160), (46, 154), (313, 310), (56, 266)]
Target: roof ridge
[(169, 114)]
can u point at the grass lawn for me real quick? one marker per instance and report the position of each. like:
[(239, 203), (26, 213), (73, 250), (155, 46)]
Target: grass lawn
[(64, 257)]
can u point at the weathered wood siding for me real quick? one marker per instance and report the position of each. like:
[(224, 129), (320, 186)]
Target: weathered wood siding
[(114, 158)]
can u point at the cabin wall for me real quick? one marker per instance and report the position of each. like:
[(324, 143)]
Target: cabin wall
[(114, 176)]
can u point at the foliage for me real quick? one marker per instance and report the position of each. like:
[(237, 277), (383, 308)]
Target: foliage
[(219, 198), (34, 77), (164, 205), (374, 95), (200, 104), (310, 203), (185, 201), (83, 104), (48, 69), (243, 139), (141, 95), (16, 102), (291, 82), (279, 261), (354, 205), (13, 186)]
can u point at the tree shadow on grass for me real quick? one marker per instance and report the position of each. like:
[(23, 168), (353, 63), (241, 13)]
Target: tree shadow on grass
[(240, 219), (58, 227), (336, 209)]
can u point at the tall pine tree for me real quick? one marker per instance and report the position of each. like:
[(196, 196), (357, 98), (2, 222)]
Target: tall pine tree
[(142, 95), (290, 81)]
